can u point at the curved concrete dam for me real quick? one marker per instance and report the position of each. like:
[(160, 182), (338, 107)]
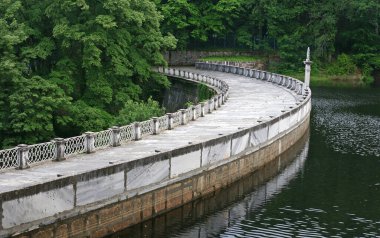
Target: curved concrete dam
[(96, 194)]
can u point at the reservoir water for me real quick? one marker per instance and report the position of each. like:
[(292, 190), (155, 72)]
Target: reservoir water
[(327, 186)]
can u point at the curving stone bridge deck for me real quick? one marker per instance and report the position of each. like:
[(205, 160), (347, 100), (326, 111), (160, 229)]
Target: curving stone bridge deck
[(113, 188), (249, 101)]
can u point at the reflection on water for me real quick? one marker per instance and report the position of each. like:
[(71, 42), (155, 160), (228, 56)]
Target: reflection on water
[(332, 189)]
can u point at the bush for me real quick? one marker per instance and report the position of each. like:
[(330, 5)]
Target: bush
[(139, 111), (87, 118), (344, 65), (367, 78)]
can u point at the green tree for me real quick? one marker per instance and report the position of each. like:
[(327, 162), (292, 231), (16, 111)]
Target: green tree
[(139, 111), (65, 62)]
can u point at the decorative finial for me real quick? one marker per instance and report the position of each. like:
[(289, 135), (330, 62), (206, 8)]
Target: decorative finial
[(308, 54)]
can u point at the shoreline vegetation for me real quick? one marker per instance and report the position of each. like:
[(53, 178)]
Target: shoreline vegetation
[(329, 75)]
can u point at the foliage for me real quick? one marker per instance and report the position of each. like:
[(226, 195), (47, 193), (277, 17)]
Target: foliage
[(204, 92), (287, 28), (139, 111), (344, 65), (87, 118), (71, 65), (198, 21)]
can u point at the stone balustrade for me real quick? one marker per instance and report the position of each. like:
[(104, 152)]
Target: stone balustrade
[(23, 156), (288, 82)]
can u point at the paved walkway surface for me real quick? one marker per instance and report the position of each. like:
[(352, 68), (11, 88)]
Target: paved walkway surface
[(249, 100)]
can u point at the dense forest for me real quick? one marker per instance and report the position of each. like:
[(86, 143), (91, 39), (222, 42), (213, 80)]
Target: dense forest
[(329, 27), (70, 66)]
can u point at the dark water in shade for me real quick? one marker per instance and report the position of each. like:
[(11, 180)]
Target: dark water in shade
[(330, 189)]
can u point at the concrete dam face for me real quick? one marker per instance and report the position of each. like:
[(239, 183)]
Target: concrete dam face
[(102, 182)]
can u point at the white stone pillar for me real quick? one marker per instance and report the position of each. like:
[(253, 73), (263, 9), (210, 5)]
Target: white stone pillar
[(202, 109), (193, 113), (90, 142), (23, 156), (156, 126), (137, 131), (115, 136), (307, 63), (170, 121), (210, 108), (60, 144), (183, 116)]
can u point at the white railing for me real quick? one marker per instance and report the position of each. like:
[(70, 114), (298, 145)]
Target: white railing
[(59, 149), (42, 152), (8, 158), (103, 139), (288, 82), (177, 118), (75, 145), (127, 133), (147, 127), (163, 123)]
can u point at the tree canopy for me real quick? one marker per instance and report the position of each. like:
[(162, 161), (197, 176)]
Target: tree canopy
[(329, 27), (66, 62)]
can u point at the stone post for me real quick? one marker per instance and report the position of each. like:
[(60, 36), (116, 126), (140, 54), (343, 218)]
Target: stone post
[(202, 109), (223, 98), (300, 88), (209, 106), (60, 144), (156, 126), (23, 156), (307, 63), (219, 100), (193, 113), (183, 116), (90, 142), (170, 121), (115, 136), (289, 82), (137, 131), (215, 102)]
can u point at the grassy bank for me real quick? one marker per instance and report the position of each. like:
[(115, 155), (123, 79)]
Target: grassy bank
[(323, 79)]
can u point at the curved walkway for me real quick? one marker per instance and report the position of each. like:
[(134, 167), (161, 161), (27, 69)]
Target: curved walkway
[(249, 101)]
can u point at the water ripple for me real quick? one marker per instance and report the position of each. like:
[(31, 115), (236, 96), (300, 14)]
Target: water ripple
[(344, 121)]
